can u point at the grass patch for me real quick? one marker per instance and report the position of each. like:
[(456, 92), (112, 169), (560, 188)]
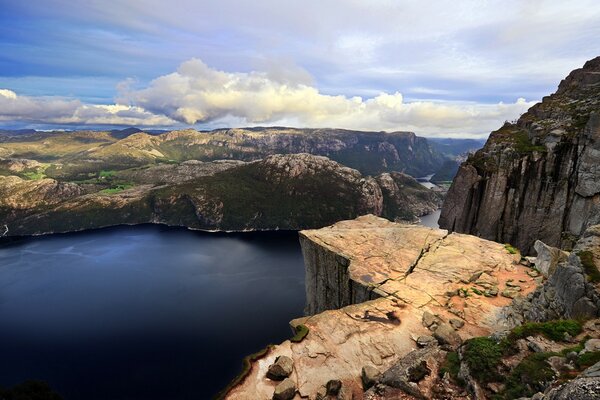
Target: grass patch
[(246, 368), (553, 330), (300, 333), (589, 266), (117, 188), (34, 176), (511, 249), (588, 359), (104, 174), (482, 355), (523, 144)]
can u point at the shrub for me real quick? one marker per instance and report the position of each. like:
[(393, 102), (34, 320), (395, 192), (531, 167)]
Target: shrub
[(529, 377), (482, 355), (553, 330), (451, 365)]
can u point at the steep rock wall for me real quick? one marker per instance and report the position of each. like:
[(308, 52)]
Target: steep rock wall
[(536, 178)]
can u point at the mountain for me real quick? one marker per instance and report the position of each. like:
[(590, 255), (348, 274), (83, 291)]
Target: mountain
[(293, 191), (75, 154), (536, 178)]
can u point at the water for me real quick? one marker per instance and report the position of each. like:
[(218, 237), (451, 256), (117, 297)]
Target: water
[(144, 312), (431, 220)]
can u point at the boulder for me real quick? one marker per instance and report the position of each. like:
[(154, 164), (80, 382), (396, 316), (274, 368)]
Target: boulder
[(286, 390), (548, 258), (369, 376), (446, 335), (281, 368), (425, 340), (333, 387)]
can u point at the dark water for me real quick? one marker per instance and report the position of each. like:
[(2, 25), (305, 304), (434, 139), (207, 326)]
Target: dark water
[(144, 312), (431, 220)]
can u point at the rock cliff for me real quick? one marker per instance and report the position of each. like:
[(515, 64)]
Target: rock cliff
[(426, 286), (537, 178)]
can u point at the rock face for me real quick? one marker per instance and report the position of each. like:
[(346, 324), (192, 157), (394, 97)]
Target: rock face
[(280, 192), (536, 178), (409, 271), (570, 291)]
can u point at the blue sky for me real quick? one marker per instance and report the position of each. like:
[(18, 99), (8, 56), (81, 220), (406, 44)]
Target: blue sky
[(441, 68)]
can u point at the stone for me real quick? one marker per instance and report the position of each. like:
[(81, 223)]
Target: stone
[(548, 258), (535, 347), (511, 294), (593, 371), (592, 345), (369, 376), (425, 340), (281, 368), (456, 323), (333, 387), (446, 335), (286, 390), (429, 319)]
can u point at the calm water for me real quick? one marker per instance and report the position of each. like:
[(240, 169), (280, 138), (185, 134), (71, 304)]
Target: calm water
[(431, 220), (144, 312)]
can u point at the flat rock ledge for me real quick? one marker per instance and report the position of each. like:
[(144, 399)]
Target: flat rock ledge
[(375, 287)]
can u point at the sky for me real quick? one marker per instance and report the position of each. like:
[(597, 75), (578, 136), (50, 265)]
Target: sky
[(438, 68)]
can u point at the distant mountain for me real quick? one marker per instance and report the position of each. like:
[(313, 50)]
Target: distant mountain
[(76, 154), (456, 147)]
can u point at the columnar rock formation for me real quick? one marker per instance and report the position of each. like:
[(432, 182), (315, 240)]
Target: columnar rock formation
[(537, 178)]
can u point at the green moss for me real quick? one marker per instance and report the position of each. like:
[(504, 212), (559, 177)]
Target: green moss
[(301, 332), (451, 365), (589, 266), (106, 174), (511, 249), (553, 330), (117, 188), (477, 291), (588, 359), (246, 368), (523, 144), (483, 355), (529, 377), (34, 176)]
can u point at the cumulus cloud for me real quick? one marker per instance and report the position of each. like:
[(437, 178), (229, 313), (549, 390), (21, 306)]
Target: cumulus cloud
[(198, 94), (51, 110)]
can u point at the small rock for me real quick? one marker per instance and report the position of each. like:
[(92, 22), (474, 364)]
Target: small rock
[(425, 340), (495, 387), (592, 345), (533, 346), (533, 273), (445, 334), (572, 356), (418, 372), (452, 293), (333, 387), (538, 396), (370, 375), (281, 368), (456, 323), (286, 390), (523, 280), (513, 285), (475, 276), (511, 294), (428, 319)]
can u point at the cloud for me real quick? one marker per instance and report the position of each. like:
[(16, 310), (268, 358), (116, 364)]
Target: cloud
[(198, 94), (57, 111)]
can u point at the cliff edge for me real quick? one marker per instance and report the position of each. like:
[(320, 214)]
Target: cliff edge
[(537, 178)]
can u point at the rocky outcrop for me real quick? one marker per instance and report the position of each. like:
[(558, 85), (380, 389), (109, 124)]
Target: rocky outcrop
[(427, 283), (536, 179), (572, 289), (280, 192)]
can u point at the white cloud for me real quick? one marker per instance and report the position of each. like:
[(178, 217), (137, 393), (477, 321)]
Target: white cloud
[(51, 110), (197, 93)]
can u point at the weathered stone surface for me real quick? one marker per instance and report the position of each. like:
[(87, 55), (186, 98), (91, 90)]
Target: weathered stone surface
[(333, 387), (536, 178), (281, 368), (425, 340), (286, 390), (548, 258), (409, 269)]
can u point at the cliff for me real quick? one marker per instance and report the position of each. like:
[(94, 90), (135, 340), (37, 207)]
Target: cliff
[(426, 286), (294, 191), (536, 179)]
